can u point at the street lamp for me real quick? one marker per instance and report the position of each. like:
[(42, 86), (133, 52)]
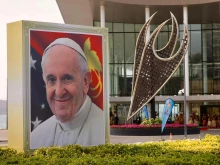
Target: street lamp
[(181, 92)]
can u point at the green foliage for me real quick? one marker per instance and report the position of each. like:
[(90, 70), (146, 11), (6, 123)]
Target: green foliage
[(151, 121), (145, 122), (158, 120), (204, 151)]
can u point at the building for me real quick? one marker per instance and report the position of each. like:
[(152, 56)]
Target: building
[(124, 19)]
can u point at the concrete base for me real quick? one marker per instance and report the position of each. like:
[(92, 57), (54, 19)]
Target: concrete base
[(152, 131)]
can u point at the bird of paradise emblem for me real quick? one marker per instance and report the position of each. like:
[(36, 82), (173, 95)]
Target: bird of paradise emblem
[(95, 66)]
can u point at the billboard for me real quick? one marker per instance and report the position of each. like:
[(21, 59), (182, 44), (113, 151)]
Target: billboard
[(65, 97)]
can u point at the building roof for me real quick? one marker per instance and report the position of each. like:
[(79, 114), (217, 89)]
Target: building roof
[(84, 12)]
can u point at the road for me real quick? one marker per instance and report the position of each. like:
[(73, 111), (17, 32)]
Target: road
[(134, 139)]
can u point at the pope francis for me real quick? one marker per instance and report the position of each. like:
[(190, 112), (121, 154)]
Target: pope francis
[(76, 119)]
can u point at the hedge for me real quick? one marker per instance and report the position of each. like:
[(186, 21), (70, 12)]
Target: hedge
[(203, 151)]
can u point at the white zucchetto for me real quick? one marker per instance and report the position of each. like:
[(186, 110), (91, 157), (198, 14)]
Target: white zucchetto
[(67, 42)]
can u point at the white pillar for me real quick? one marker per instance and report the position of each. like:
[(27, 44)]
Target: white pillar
[(147, 16), (186, 71), (102, 14), (205, 66)]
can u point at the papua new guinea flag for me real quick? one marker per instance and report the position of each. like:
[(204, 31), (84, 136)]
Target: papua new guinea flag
[(91, 44), (166, 112), (145, 111)]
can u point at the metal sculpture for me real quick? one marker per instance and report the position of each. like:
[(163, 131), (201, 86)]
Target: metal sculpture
[(153, 68)]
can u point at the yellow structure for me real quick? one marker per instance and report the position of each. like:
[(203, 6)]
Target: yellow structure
[(16, 103), (19, 77)]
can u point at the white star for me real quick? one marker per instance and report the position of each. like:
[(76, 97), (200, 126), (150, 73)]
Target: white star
[(33, 62), (36, 122), (43, 106)]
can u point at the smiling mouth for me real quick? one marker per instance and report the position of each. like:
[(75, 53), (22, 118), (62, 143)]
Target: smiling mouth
[(61, 100)]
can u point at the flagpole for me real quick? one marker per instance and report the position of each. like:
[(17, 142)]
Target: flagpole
[(186, 74), (185, 128)]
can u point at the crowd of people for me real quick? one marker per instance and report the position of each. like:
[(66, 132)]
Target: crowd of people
[(207, 120), (193, 119), (211, 121), (179, 119)]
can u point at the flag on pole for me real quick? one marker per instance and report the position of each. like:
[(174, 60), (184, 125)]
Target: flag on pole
[(166, 112), (145, 111)]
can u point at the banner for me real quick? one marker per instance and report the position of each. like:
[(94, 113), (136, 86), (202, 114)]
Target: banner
[(145, 111), (166, 112), (39, 40), (59, 75)]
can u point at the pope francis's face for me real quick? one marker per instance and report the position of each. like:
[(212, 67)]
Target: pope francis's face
[(66, 85)]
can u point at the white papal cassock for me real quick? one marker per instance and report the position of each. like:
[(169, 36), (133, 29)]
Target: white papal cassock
[(86, 128)]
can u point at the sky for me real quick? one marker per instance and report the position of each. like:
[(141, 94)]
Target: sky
[(16, 10)]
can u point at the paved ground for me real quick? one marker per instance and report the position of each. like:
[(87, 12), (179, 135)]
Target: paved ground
[(133, 139)]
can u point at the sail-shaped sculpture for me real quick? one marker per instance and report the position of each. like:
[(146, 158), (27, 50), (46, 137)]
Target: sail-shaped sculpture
[(153, 68)]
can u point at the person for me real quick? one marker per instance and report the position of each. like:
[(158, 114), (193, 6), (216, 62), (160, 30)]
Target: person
[(116, 119), (138, 119), (169, 120), (196, 120), (181, 119), (204, 120), (76, 119), (190, 121), (209, 122), (213, 122), (218, 121), (176, 120)]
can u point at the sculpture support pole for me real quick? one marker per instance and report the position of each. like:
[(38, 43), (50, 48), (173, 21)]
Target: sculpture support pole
[(186, 76)]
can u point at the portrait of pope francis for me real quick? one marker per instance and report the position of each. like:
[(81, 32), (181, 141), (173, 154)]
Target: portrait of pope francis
[(76, 119)]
